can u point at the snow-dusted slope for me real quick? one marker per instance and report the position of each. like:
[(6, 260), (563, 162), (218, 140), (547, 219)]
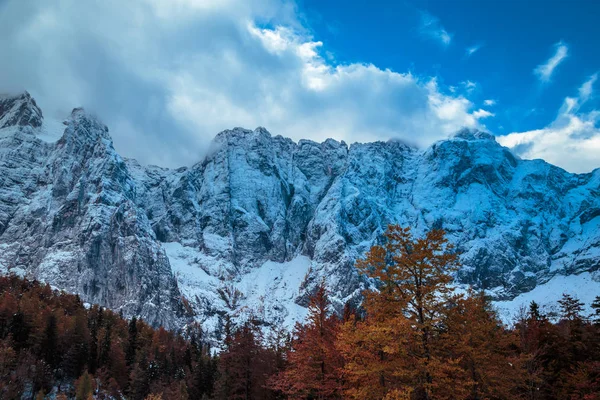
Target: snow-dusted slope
[(253, 227), (68, 217), (19, 110)]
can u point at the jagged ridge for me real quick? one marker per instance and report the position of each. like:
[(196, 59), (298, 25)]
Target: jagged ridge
[(261, 220)]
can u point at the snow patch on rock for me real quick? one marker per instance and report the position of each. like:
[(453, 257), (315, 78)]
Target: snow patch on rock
[(584, 286)]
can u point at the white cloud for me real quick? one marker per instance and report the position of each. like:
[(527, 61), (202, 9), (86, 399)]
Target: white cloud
[(585, 91), (166, 76), (481, 113), (544, 71), (469, 86), (489, 102), (571, 141), (432, 28), (472, 49), (314, 99)]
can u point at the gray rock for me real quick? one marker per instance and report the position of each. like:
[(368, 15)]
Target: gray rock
[(257, 224)]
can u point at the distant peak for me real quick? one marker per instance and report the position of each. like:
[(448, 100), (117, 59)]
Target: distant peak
[(238, 133), (78, 112), (262, 130), (82, 123), (25, 96), (474, 134), (19, 110)]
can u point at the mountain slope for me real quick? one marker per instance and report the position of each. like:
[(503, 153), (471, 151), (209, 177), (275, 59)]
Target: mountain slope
[(68, 217), (255, 225)]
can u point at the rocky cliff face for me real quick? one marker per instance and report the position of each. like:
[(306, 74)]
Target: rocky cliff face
[(68, 217), (19, 111), (261, 220)]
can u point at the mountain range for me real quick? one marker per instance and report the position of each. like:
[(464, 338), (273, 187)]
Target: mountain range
[(261, 220)]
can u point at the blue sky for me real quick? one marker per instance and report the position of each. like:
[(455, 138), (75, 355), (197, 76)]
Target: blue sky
[(495, 44), (167, 75)]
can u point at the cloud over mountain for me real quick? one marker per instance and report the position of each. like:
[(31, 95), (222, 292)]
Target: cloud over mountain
[(571, 141), (162, 72)]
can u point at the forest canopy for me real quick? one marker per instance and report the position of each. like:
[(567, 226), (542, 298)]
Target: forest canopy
[(413, 337)]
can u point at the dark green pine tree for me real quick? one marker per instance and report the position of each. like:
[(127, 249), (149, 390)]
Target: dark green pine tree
[(570, 307), (572, 319), (50, 342), (595, 317), (100, 317), (104, 357), (139, 385), (132, 341), (77, 354), (19, 329), (199, 388), (213, 371), (93, 353), (534, 311), (225, 383), (187, 357)]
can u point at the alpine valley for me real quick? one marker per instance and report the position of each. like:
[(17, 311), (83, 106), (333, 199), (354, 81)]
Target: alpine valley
[(260, 221)]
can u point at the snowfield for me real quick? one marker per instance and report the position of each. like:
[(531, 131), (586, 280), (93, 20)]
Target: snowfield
[(585, 287)]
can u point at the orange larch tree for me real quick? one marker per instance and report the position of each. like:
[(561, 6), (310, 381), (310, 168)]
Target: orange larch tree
[(391, 352), (487, 352), (314, 363)]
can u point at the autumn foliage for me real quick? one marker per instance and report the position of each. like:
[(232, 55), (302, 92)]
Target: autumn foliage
[(51, 343), (414, 337), (392, 351), (314, 369)]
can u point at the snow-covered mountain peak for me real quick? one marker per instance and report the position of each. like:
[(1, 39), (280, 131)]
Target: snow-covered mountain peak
[(81, 121), (19, 110), (232, 136), (473, 134)]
